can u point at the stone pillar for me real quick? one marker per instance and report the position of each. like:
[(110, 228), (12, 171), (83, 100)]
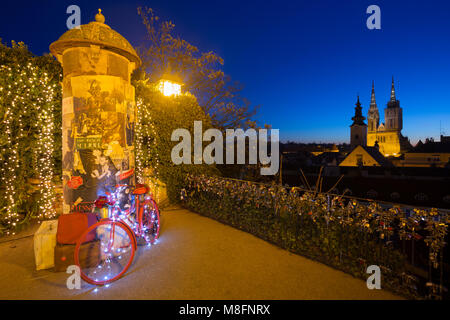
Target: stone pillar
[(98, 111)]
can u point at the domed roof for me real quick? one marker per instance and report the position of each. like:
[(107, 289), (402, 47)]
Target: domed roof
[(96, 33)]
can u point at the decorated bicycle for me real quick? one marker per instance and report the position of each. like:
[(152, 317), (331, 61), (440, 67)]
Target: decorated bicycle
[(128, 216)]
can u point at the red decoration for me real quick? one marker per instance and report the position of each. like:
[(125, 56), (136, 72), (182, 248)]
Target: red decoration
[(101, 202), (141, 189), (75, 182), (126, 174)]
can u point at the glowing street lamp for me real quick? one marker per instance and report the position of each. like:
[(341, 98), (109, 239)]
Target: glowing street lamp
[(169, 85)]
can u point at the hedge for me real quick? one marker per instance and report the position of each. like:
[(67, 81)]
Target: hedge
[(343, 233)]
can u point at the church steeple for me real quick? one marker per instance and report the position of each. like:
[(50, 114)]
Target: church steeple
[(393, 114), (358, 129), (393, 99), (393, 102), (358, 119), (373, 101), (373, 116)]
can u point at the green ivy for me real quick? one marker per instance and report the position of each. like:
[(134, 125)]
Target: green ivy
[(344, 234), (29, 88)]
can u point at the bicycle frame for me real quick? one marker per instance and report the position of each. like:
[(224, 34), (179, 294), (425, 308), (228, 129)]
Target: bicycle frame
[(137, 207)]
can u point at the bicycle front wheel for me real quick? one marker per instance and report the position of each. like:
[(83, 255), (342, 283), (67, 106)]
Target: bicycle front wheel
[(105, 251)]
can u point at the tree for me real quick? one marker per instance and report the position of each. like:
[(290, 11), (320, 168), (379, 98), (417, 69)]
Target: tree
[(157, 117), (202, 73)]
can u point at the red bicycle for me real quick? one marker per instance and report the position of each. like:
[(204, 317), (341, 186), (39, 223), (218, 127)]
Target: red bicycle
[(105, 251)]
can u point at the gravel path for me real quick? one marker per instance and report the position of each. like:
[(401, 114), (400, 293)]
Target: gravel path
[(196, 258)]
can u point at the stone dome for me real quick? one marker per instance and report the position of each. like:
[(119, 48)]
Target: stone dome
[(96, 33)]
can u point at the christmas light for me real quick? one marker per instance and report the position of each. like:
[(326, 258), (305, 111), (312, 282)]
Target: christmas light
[(145, 131), (28, 96)]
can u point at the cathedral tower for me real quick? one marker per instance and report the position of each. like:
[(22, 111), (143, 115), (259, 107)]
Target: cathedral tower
[(393, 115), (358, 129), (388, 135)]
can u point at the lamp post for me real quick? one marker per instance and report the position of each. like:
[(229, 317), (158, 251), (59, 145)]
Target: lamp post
[(169, 85)]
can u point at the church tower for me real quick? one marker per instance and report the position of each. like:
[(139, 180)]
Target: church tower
[(387, 135), (393, 115), (358, 129), (373, 117)]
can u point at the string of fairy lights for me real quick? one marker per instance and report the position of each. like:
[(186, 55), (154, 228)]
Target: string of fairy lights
[(45, 148), (10, 149), (139, 147), (145, 131), (27, 96)]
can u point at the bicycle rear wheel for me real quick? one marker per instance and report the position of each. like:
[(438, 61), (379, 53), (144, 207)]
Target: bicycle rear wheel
[(157, 223), (151, 222), (105, 251)]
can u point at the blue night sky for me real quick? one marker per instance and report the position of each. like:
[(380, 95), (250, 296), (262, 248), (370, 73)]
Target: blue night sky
[(303, 61)]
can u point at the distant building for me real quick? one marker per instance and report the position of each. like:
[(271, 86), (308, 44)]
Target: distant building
[(389, 134), (321, 150), (428, 154), (363, 156)]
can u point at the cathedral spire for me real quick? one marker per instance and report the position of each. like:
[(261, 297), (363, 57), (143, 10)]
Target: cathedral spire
[(373, 102), (373, 116), (393, 102), (393, 99)]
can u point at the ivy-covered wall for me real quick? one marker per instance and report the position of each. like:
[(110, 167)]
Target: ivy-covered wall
[(30, 130)]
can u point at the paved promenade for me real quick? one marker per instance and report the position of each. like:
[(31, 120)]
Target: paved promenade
[(196, 258)]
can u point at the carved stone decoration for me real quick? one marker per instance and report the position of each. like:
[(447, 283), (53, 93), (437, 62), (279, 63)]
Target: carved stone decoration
[(98, 110)]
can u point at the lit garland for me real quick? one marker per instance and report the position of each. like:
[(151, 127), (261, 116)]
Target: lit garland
[(45, 149), (145, 132), (139, 143), (27, 102), (10, 149)]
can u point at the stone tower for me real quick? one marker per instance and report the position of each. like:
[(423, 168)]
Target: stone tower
[(393, 116), (358, 129), (98, 110)]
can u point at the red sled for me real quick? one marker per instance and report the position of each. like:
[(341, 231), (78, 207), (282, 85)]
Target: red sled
[(71, 227)]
